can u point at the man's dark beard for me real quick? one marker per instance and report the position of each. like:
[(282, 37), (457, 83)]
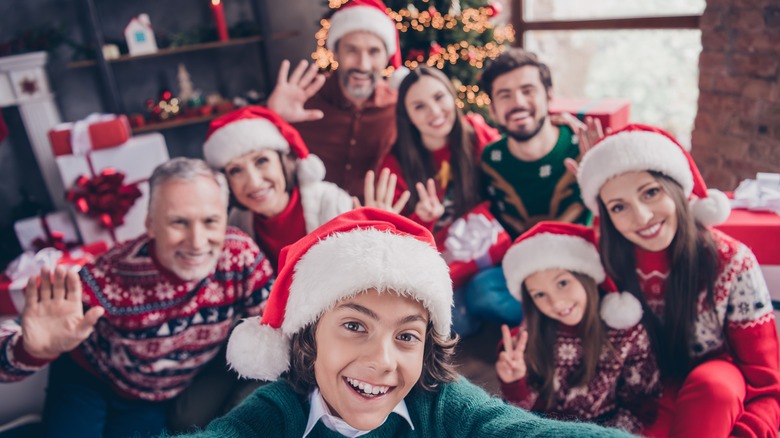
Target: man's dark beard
[(526, 136)]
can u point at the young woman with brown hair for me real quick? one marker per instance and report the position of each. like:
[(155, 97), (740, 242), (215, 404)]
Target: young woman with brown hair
[(706, 303)]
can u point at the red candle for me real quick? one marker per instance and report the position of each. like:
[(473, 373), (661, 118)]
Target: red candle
[(219, 19)]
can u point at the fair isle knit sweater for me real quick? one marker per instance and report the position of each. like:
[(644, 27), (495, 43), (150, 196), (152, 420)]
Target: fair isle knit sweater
[(158, 331), (622, 392), (457, 409), (742, 327)]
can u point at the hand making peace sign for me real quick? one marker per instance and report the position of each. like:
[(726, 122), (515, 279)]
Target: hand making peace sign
[(510, 366), (429, 207)]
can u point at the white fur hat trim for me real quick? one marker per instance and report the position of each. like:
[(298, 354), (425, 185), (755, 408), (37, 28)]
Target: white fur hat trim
[(242, 136), (362, 18), (346, 264), (620, 310), (631, 151), (550, 251)]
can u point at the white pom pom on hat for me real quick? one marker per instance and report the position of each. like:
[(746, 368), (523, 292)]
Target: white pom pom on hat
[(359, 250), (645, 148), (252, 128)]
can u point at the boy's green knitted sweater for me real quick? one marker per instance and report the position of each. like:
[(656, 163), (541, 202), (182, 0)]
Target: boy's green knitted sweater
[(457, 409)]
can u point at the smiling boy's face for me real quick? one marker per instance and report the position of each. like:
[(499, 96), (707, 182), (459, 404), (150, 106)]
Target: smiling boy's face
[(369, 355)]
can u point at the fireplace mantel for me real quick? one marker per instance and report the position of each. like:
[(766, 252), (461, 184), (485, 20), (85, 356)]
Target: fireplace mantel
[(24, 83)]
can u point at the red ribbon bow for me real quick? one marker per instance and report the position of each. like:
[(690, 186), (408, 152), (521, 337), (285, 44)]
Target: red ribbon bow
[(54, 239), (104, 197)]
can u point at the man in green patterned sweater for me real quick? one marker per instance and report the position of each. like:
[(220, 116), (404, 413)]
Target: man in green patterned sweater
[(523, 172)]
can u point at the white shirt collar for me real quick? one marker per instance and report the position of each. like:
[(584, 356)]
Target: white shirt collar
[(319, 410)]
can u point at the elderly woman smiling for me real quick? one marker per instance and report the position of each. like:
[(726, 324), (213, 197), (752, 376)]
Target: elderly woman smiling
[(276, 186)]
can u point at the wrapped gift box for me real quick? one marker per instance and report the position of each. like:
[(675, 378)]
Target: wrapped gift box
[(54, 229), (13, 281), (613, 113), (474, 242), (136, 159), (101, 131)]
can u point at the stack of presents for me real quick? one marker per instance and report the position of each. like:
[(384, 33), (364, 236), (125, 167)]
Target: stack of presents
[(105, 171)]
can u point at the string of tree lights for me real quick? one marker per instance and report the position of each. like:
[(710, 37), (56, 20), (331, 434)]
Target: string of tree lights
[(455, 36)]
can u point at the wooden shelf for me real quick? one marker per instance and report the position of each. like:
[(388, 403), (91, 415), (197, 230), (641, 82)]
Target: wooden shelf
[(152, 127), (185, 49)]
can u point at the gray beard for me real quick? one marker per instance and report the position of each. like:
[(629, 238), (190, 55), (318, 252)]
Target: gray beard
[(357, 93)]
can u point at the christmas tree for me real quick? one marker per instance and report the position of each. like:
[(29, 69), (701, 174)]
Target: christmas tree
[(455, 36)]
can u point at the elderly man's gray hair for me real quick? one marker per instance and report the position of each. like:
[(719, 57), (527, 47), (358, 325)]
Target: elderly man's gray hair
[(186, 169)]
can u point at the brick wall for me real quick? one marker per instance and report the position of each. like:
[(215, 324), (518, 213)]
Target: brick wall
[(737, 128)]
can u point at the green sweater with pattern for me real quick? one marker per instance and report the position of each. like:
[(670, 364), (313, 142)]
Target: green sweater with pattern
[(523, 193), (457, 409)]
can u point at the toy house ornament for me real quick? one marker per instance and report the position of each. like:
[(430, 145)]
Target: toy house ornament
[(140, 36)]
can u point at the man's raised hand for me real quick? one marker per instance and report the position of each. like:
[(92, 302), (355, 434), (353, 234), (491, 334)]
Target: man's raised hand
[(293, 90), (53, 318)]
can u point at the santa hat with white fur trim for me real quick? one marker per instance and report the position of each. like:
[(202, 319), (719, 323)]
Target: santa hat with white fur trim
[(369, 16), (558, 245), (254, 127), (642, 148), (359, 250)]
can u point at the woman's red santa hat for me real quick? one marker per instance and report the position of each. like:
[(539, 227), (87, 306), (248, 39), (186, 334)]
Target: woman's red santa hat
[(360, 250), (643, 148), (572, 247), (368, 16), (252, 128)]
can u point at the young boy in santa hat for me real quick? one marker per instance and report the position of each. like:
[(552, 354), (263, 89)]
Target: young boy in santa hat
[(358, 325)]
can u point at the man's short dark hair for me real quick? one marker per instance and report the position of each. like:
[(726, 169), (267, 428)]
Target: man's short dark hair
[(512, 59)]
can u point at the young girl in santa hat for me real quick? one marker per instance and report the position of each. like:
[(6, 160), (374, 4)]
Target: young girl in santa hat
[(358, 327), (276, 184), (579, 355), (706, 303)]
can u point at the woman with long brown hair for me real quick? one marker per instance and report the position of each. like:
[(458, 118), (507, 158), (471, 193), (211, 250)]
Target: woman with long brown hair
[(437, 149), (578, 355), (706, 302)]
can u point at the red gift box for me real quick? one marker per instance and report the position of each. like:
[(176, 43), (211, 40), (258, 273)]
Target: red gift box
[(101, 131), (474, 242), (12, 287), (106, 180), (613, 113)]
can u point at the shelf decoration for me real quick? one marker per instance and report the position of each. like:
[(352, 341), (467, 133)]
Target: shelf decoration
[(140, 36), (219, 19)]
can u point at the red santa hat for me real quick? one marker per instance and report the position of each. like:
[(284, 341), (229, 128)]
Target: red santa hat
[(559, 245), (641, 148), (370, 16), (254, 127), (359, 250)]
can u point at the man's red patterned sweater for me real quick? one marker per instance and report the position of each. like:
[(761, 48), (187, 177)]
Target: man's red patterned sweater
[(742, 328), (158, 331)]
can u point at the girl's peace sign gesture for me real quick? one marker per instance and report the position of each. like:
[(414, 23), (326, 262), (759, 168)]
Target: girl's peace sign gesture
[(510, 366)]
